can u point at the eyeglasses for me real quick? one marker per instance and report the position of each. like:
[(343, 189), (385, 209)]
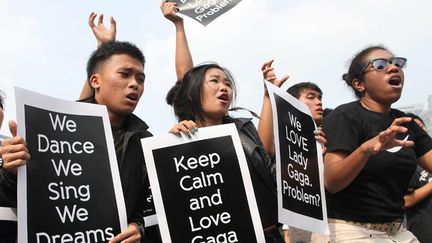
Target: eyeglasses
[(381, 64)]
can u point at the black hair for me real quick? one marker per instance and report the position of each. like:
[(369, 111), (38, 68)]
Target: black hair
[(107, 50), (186, 95), (356, 68), (296, 89), (1, 100)]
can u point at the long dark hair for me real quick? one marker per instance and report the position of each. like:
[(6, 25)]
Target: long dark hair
[(186, 95)]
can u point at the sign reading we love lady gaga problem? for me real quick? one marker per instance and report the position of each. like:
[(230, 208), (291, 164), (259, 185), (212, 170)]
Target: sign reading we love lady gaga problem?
[(69, 190), (202, 188), (205, 11), (299, 164)]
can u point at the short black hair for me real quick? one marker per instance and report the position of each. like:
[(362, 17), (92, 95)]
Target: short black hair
[(186, 95), (296, 89), (107, 50)]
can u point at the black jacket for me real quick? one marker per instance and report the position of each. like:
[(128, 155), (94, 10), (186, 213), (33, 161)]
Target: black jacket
[(262, 170), (131, 166)]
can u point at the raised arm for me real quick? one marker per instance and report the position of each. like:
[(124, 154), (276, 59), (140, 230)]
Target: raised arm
[(265, 124), (102, 35), (183, 57), (341, 168)]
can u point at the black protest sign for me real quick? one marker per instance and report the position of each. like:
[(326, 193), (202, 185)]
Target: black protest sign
[(301, 197), (204, 11), (70, 191), (299, 164), (202, 191)]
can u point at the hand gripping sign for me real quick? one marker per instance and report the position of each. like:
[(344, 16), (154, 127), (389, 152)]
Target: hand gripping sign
[(204, 11)]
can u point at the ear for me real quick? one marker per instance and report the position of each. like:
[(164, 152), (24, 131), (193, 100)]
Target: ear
[(95, 81), (358, 85)]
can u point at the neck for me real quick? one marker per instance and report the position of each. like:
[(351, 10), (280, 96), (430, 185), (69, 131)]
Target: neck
[(206, 122), (372, 105), (116, 120)]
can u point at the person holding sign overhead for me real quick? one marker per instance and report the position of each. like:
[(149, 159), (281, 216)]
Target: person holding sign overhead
[(115, 72), (372, 152), (201, 97)]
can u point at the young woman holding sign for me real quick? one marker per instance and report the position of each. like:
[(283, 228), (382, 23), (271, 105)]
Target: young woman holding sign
[(200, 98), (372, 151)]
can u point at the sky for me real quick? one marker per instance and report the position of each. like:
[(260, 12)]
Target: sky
[(45, 44)]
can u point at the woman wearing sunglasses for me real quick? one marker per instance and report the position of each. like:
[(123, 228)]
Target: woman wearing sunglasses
[(372, 152)]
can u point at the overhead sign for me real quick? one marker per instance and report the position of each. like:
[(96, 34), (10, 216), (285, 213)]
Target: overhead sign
[(205, 11)]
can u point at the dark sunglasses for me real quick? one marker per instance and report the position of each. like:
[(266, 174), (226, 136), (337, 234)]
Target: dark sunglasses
[(381, 64)]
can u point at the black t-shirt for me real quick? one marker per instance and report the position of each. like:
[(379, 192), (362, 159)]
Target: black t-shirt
[(419, 217), (376, 194)]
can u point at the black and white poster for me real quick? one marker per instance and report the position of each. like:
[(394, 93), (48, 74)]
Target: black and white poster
[(299, 164), (202, 188), (204, 11), (70, 189)]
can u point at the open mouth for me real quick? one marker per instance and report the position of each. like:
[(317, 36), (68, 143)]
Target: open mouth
[(132, 96), (223, 97), (395, 81)]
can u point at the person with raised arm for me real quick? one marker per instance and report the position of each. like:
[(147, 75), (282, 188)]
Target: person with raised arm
[(115, 76), (201, 97)]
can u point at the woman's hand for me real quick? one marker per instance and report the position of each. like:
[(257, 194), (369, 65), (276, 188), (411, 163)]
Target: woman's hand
[(169, 11), (186, 127), (386, 139)]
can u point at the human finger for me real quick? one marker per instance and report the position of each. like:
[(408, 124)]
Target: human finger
[(283, 79), (322, 140), (131, 234), (100, 19), (113, 23), (188, 126), (13, 145), (404, 143), (91, 19), (398, 129), (267, 64), (401, 120), (12, 166), (13, 128)]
